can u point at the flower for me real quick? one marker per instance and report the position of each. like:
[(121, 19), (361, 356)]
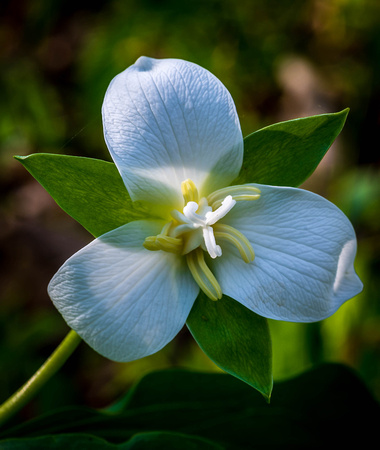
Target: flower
[(173, 132)]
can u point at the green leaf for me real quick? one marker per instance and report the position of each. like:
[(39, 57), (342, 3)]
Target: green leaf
[(151, 440), (58, 442), (89, 190), (169, 441), (305, 412), (93, 193), (287, 153), (235, 338)]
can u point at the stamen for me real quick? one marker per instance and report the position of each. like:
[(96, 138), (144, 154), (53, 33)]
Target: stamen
[(189, 191), (166, 228), (164, 242), (203, 275), (238, 193), (170, 244), (196, 229), (231, 234), (150, 244)]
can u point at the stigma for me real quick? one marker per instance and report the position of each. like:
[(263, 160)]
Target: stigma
[(195, 225)]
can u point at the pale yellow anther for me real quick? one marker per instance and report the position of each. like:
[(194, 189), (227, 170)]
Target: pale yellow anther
[(189, 191), (170, 244), (165, 243), (203, 275), (231, 234), (151, 244), (238, 193)]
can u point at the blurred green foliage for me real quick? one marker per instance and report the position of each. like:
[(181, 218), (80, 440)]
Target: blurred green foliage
[(280, 60)]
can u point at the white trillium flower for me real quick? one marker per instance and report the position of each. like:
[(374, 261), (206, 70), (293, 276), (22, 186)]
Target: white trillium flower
[(173, 132)]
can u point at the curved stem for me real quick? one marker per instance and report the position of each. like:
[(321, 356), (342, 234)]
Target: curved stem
[(21, 397)]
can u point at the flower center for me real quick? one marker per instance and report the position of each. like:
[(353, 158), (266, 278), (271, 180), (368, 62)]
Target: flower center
[(195, 225), (196, 229)]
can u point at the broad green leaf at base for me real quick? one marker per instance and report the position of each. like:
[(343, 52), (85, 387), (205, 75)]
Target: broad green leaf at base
[(235, 338), (141, 441), (287, 153), (328, 404)]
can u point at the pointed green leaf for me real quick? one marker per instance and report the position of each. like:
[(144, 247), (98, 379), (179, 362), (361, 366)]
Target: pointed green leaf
[(235, 338), (287, 153), (89, 190)]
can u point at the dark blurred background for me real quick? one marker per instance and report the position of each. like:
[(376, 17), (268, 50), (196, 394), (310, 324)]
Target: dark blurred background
[(279, 59)]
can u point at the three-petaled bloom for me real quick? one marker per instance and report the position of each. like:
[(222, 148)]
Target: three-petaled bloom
[(173, 132)]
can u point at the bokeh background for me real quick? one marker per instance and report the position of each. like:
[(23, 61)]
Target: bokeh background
[(279, 59)]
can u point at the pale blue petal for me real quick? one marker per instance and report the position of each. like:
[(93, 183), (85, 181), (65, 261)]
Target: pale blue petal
[(305, 249), (168, 120), (125, 301)]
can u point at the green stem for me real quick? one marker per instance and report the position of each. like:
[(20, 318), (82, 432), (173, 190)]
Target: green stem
[(21, 397)]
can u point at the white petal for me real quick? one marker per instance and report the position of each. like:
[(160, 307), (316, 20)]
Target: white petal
[(125, 301), (169, 120), (305, 249)]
